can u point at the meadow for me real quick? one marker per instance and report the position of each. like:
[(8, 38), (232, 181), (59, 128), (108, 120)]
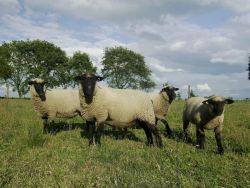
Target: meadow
[(29, 158)]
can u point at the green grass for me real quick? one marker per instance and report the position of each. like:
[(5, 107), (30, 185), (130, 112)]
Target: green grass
[(28, 158)]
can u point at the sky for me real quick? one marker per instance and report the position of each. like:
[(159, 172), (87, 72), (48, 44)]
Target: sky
[(201, 43)]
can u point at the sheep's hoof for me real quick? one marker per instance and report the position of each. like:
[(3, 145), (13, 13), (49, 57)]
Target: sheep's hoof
[(220, 151), (169, 135), (199, 146), (149, 144)]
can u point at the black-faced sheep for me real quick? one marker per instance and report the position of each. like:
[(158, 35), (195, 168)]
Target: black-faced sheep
[(205, 114), (161, 103), (53, 103), (117, 107)]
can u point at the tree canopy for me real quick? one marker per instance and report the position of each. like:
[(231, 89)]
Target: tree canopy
[(5, 69), (124, 68), (79, 63), (248, 67), (36, 58)]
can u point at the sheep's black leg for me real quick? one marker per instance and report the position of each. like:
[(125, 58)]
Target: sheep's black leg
[(52, 128), (156, 133), (45, 126), (98, 134), (86, 126), (147, 132), (168, 130), (185, 131), (156, 121), (200, 134), (91, 126), (218, 141)]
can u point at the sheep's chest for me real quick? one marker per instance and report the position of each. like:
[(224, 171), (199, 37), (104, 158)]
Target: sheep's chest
[(212, 124)]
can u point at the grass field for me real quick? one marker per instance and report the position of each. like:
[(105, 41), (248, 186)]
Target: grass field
[(29, 158)]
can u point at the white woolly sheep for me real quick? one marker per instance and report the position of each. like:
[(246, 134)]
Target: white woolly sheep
[(116, 107), (161, 103), (205, 114), (54, 103)]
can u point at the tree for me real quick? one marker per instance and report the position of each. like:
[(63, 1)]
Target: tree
[(166, 84), (192, 93), (5, 69), (178, 96), (78, 64), (124, 68), (249, 67), (45, 60), (30, 59), (248, 71)]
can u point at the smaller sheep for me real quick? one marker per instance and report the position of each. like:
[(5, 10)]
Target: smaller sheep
[(205, 114), (117, 107), (54, 103), (161, 103)]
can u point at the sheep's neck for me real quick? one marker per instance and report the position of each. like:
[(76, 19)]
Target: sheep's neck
[(39, 105)]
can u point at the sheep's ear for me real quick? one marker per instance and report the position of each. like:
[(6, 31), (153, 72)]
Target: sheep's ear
[(205, 102), (45, 82), (176, 89), (31, 82), (162, 90), (99, 78), (229, 101), (77, 78)]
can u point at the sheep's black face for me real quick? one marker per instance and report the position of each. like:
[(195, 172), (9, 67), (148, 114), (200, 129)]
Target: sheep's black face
[(218, 105), (88, 82), (170, 92), (39, 87)]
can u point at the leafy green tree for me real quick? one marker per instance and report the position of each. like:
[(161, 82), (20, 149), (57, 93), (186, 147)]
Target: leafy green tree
[(249, 67), (248, 71), (78, 64), (46, 60), (29, 59), (124, 68), (5, 69), (192, 93), (166, 84), (178, 96)]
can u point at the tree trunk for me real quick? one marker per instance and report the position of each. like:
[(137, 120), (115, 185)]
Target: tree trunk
[(19, 94), (189, 91), (7, 90)]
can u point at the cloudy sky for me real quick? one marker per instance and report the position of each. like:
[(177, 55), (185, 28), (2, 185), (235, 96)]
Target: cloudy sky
[(204, 43)]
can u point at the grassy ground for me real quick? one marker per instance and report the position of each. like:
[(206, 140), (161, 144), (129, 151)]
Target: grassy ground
[(29, 158)]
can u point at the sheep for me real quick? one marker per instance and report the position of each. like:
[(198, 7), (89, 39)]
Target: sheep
[(116, 107), (205, 114), (54, 103), (161, 103)]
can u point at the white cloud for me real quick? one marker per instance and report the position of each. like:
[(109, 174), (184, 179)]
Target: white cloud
[(155, 64), (203, 87), (233, 56), (184, 87), (177, 46), (9, 6), (172, 38), (243, 19)]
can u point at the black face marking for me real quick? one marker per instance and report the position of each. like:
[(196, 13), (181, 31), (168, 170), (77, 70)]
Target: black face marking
[(39, 87), (217, 106), (88, 82), (170, 92)]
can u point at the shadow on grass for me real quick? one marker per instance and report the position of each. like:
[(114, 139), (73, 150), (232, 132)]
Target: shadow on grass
[(236, 146), (230, 144), (177, 135), (55, 128), (116, 134)]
